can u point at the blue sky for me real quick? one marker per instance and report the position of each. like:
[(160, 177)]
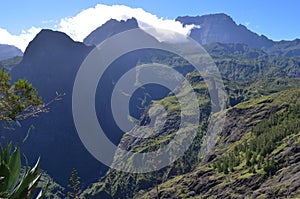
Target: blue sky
[(276, 19)]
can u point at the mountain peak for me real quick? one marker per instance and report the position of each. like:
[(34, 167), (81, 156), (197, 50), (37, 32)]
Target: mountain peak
[(54, 36), (110, 28), (222, 28), (45, 42), (209, 18)]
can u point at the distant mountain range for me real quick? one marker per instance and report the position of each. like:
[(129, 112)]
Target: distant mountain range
[(221, 28), (211, 28), (52, 60), (9, 51)]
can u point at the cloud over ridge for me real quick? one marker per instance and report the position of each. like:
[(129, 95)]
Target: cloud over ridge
[(79, 26), (21, 41)]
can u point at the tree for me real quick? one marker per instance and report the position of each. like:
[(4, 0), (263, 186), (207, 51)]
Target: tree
[(74, 185), (271, 167), (17, 102)]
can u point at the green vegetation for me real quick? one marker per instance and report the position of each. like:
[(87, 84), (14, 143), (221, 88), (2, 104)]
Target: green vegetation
[(259, 162), (12, 185), (262, 125), (74, 185), (255, 152), (271, 120), (18, 101), (241, 63)]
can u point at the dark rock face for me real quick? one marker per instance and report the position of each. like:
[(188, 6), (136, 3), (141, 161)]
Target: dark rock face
[(8, 51), (109, 29), (221, 28), (50, 63)]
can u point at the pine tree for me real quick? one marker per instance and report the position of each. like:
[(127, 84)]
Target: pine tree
[(74, 185)]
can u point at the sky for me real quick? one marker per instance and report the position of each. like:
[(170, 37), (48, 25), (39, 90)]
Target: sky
[(21, 20)]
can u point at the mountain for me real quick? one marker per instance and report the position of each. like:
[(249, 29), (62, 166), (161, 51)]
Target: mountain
[(251, 77), (257, 157), (262, 90), (240, 62), (285, 48), (8, 51), (10, 63), (221, 28), (50, 63), (234, 50), (110, 28), (251, 108)]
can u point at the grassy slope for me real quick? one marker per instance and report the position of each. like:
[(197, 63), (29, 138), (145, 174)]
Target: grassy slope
[(264, 75), (120, 184), (206, 181)]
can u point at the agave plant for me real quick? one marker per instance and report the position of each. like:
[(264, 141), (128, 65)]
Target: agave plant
[(13, 185)]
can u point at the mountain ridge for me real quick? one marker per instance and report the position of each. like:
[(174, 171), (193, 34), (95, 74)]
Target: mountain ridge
[(51, 62), (108, 29), (9, 51), (222, 28)]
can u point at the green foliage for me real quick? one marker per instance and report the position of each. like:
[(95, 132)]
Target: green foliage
[(74, 185), (237, 62), (271, 167), (124, 185), (12, 185), (266, 137), (18, 101), (247, 69)]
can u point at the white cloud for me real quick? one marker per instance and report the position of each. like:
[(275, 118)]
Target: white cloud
[(21, 41), (50, 21), (79, 26)]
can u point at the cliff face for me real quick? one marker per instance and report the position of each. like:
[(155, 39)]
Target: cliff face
[(221, 28), (50, 63)]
